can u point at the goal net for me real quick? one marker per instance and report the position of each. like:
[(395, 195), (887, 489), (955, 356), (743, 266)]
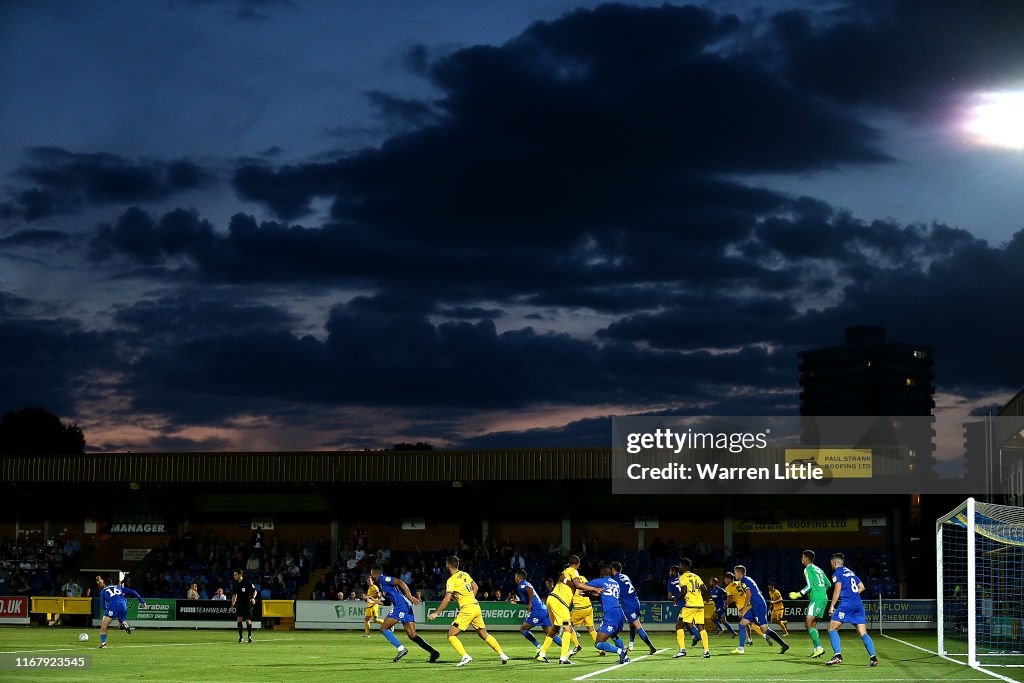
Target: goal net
[(979, 552)]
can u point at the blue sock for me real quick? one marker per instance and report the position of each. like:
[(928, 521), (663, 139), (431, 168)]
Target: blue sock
[(833, 637), (694, 632), (729, 627), (608, 647), (529, 637), (618, 642), (643, 636), (392, 638), (868, 644), (632, 633), (557, 640), (743, 637), (103, 637)]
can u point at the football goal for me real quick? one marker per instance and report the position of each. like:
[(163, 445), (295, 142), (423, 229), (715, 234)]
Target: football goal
[(980, 568)]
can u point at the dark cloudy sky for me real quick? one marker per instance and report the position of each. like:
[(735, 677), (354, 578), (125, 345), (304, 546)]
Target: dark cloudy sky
[(280, 224)]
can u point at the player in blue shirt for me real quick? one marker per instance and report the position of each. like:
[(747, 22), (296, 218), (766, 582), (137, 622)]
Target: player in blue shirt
[(538, 615), (114, 599), (720, 598), (613, 617), (673, 594), (402, 600), (630, 606), (757, 612), (847, 608)]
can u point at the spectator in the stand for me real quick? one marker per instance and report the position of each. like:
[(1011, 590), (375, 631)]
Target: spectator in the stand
[(703, 549), (253, 564), (193, 592), (71, 588), (360, 554), (19, 584), (651, 588), (219, 595), (406, 575), (498, 595), (518, 562), (549, 586), (657, 548), (436, 569), (352, 563)]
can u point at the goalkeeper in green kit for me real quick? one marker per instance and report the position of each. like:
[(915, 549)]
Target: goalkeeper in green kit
[(817, 587)]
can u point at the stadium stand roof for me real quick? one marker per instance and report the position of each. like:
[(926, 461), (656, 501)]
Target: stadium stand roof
[(311, 467)]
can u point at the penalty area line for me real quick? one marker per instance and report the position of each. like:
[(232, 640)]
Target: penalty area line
[(950, 659), (617, 666), (126, 647)]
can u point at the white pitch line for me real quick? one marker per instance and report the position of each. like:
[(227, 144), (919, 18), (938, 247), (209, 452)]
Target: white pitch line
[(931, 652), (617, 666), (789, 680), (125, 647)]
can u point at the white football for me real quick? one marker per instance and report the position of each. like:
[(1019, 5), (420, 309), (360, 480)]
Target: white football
[(83, 637)]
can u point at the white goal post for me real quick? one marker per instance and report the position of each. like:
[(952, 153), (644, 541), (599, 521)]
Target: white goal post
[(979, 555)]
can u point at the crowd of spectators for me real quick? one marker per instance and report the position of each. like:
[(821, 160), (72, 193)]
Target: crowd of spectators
[(33, 564), (190, 567)]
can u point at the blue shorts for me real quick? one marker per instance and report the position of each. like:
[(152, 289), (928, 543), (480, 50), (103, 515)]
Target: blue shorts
[(402, 614), (119, 612), (757, 614), (632, 613), (721, 611), (611, 623), (849, 614), (538, 618)]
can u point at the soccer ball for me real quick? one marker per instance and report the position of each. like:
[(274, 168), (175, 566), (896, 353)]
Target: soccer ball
[(83, 637)]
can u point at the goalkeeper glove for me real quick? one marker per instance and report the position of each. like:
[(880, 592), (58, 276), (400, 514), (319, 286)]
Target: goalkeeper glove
[(794, 595)]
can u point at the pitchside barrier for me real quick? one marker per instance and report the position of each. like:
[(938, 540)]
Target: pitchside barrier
[(164, 613), (656, 616)]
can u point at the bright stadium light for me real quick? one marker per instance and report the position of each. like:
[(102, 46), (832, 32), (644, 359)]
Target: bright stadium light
[(996, 119)]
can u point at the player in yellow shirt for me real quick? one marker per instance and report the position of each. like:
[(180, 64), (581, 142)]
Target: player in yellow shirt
[(558, 604), (463, 588), (693, 594), (777, 608), (373, 603), (737, 595), (582, 615)]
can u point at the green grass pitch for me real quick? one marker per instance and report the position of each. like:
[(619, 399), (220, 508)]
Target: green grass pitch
[(207, 655)]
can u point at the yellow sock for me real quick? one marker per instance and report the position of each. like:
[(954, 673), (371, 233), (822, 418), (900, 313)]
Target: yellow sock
[(681, 638), (457, 644), (575, 637), (704, 639), (757, 629), (566, 641), (366, 627), (379, 621), (593, 634), (493, 642), (544, 647)]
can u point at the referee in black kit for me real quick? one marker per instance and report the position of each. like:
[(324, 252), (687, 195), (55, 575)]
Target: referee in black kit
[(243, 601)]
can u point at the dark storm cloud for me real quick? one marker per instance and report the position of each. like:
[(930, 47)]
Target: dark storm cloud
[(34, 238), (66, 182), (470, 312), (913, 56), (188, 314), (49, 362), (402, 359), (600, 111)]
